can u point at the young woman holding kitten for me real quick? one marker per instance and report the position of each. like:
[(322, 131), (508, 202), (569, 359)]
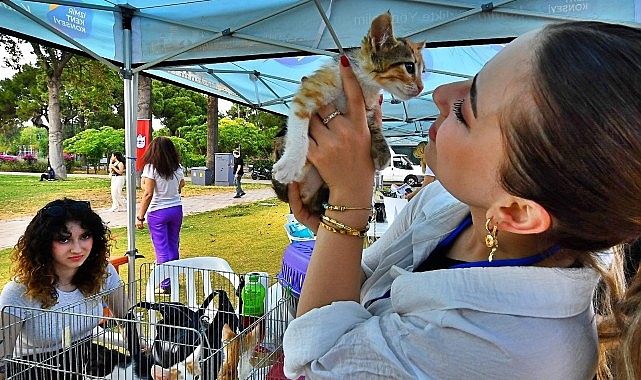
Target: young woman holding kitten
[(490, 272)]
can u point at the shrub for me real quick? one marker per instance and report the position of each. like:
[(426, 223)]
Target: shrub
[(262, 163), (30, 158), (8, 158), (23, 166), (70, 161), (191, 160)]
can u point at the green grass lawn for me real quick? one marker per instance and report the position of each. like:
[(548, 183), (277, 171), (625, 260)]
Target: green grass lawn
[(250, 237)]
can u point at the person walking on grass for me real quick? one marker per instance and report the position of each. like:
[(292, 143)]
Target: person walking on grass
[(162, 182), (238, 173)]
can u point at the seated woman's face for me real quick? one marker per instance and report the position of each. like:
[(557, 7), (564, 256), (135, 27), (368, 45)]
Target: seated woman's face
[(71, 250), (466, 146)]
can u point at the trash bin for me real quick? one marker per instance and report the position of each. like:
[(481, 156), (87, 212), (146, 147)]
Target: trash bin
[(200, 176)]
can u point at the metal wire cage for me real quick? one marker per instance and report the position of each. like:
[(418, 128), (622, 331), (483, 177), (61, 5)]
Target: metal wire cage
[(75, 344)]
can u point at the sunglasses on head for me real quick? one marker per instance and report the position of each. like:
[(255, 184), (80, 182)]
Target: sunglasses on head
[(60, 209)]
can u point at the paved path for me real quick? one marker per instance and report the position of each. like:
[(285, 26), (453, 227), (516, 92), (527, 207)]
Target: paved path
[(11, 230)]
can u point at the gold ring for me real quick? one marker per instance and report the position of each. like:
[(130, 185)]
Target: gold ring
[(331, 116)]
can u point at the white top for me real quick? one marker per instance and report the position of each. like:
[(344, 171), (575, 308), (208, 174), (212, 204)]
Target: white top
[(166, 191), (492, 323), (42, 330)]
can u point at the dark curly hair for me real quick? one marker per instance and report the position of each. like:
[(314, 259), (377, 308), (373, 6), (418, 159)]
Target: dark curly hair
[(33, 259)]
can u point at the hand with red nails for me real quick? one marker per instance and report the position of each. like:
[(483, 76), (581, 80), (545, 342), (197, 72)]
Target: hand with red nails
[(340, 151)]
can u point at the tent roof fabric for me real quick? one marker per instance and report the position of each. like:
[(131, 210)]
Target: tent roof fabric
[(254, 52)]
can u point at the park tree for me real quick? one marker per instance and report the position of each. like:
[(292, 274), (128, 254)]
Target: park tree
[(34, 137), (259, 118), (53, 62), (212, 132), (255, 142), (94, 144), (92, 95), (20, 101), (195, 132), (175, 105)]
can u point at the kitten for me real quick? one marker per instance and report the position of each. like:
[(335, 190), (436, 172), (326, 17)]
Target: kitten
[(107, 364), (238, 353), (188, 369), (383, 61)]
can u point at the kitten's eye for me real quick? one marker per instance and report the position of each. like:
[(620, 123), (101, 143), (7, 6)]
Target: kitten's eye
[(409, 66), (456, 108)]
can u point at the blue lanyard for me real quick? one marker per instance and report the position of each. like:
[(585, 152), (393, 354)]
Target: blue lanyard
[(524, 261), (449, 239)]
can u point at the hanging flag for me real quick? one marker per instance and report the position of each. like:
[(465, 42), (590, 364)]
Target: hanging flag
[(143, 138)]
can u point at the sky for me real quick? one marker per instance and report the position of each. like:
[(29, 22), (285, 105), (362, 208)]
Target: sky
[(28, 57)]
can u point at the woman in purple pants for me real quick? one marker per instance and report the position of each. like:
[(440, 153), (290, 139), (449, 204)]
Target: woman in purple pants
[(162, 181)]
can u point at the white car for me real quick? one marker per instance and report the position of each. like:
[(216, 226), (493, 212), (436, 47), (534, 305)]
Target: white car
[(401, 169)]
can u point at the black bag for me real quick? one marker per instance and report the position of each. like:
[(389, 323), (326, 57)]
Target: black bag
[(177, 333), (213, 332)]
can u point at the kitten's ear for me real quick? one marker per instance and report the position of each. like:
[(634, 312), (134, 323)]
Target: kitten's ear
[(227, 332), (381, 31), (255, 335)]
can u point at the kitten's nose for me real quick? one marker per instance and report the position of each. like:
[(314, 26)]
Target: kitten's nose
[(419, 89)]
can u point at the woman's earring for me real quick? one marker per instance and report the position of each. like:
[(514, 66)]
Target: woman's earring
[(490, 239)]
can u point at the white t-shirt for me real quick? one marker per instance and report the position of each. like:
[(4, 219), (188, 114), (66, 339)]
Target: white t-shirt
[(166, 190), (43, 330)]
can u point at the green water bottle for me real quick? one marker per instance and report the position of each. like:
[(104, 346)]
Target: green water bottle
[(253, 295)]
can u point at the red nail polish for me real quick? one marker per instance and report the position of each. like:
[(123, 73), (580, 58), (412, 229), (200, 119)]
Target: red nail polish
[(380, 100), (345, 61)]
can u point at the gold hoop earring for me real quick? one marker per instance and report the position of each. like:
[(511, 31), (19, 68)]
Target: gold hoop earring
[(491, 240)]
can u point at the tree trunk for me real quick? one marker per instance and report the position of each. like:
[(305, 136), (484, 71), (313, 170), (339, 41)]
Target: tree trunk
[(144, 97), (144, 109), (212, 132), (56, 158), (54, 61)]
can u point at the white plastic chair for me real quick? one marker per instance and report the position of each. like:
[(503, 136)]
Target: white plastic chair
[(189, 267)]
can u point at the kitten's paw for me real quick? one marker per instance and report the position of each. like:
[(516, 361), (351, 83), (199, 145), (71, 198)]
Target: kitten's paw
[(284, 172), (381, 157)]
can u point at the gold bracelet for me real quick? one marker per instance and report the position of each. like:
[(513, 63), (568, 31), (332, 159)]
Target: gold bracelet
[(328, 206), (357, 233), (338, 225)]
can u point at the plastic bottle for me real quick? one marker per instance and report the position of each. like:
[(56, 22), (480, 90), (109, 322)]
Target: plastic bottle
[(253, 295)]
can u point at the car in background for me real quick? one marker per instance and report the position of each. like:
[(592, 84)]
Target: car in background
[(401, 169)]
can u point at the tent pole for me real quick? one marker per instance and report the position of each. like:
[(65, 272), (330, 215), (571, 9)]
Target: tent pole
[(130, 153)]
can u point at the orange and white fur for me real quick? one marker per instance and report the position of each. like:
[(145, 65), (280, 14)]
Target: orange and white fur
[(238, 352), (188, 369), (383, 61)]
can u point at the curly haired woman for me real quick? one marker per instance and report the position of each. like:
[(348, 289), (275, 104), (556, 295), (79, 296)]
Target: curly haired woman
[(60, 264)]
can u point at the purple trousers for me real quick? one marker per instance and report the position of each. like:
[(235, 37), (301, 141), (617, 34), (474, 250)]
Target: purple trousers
[(164, 228)]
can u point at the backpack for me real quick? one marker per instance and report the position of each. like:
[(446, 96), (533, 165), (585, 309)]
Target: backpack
[(179, 331), (212, 353)]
